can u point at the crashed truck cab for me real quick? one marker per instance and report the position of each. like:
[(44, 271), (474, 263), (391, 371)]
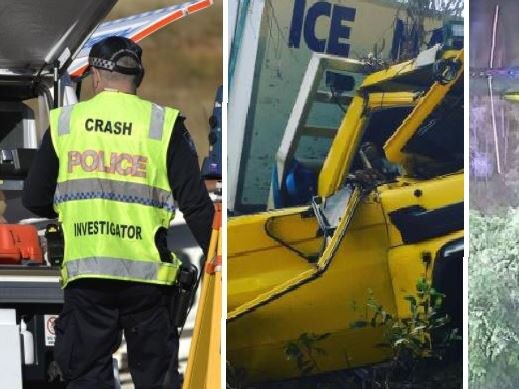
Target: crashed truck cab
[(379, 210)]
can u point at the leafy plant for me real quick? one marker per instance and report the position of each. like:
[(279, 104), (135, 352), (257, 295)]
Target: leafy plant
[(415, 333), (303, 351), (494, 300), (412, 334), (417, 359)]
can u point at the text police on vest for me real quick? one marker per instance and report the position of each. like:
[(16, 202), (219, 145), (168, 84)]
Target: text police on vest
[(116, 128), (119, 163)]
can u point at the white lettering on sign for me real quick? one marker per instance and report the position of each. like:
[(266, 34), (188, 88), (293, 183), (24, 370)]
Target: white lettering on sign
[(50, 332)]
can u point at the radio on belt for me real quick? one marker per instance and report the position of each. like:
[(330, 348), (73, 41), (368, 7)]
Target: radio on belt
[(183, 294)]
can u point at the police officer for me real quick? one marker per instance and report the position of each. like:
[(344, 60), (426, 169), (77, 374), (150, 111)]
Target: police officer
[(112, 168)]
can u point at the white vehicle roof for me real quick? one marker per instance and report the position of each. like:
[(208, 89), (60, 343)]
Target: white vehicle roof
[(35, 34)]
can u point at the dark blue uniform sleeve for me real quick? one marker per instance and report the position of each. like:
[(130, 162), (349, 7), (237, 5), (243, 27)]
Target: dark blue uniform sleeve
[(188, 188), (40, 184)]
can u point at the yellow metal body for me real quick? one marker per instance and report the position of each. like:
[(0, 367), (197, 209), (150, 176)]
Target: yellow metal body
[(370, 257), (391, 72), (350, 132), (204, 362), (341, 152), (282, 284), (394, 145), (512, 96)]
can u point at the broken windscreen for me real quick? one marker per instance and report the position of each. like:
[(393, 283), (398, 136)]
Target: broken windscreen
[(439, 137)]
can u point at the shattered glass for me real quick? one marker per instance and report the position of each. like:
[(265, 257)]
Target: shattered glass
[(330, 210)]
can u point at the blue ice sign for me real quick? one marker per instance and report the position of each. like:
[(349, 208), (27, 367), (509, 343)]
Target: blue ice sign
[(305, 23)]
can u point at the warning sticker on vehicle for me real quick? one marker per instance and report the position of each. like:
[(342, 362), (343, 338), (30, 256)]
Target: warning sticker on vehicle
[(50, 333)]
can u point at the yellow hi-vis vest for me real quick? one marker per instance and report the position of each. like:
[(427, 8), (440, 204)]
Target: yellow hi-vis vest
[(113, 192)]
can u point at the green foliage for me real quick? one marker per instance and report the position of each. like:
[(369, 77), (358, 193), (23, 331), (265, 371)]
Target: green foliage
[(413, 335), (303, 351), (494, 300)]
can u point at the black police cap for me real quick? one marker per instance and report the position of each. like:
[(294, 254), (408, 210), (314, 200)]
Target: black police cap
[(105, 54)]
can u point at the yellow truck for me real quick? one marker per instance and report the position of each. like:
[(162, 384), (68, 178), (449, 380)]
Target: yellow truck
[(387, 211)]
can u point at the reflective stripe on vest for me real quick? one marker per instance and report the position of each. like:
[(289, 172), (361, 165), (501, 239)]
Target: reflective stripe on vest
[(156, 272), (124, 191), (156, 122), (64, 120)]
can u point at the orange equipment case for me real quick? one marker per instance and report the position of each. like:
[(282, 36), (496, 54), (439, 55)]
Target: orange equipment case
[(19, 244)]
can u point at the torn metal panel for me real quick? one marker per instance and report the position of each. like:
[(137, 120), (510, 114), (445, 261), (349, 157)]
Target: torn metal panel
[(434, 97), (381, 90)]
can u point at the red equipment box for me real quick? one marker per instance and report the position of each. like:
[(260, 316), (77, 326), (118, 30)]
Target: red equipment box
[(19, 243)]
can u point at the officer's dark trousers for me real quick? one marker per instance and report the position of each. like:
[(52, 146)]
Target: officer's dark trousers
[(88, 332)]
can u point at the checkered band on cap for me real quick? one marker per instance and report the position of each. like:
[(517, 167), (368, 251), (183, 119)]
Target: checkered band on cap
[(101, 63)]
